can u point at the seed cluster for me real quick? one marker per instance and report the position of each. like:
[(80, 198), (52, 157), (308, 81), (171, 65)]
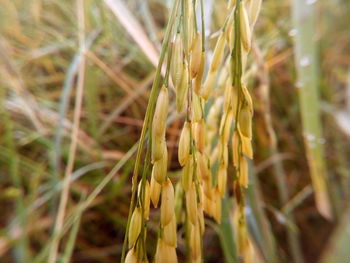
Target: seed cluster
[(207, 141)]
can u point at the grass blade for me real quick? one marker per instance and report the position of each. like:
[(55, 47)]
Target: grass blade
[(304, 19)]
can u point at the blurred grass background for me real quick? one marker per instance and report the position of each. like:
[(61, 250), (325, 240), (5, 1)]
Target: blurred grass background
[(39, 63)]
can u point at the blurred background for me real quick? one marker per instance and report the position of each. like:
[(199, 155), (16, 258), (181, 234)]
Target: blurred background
[(44, 76)]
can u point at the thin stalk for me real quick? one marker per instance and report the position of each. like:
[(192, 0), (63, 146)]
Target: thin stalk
[(148, 115)]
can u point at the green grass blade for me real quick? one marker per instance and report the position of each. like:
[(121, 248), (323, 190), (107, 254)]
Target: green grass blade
[(306, 61)]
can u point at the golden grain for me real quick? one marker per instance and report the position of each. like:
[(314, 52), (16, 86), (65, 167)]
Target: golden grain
[(184, 144), (167, 206), (135, 226)]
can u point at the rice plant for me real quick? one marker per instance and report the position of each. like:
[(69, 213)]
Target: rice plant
[(174, 131)]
